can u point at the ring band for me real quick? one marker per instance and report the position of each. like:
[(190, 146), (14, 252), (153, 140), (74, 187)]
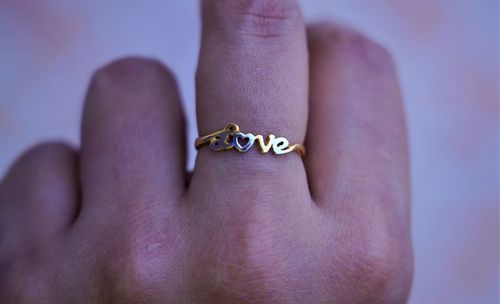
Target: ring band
[(232, 138)]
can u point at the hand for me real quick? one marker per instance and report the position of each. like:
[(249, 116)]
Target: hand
[(119, 221)]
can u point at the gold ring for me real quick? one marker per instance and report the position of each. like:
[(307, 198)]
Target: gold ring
[(232, 138)]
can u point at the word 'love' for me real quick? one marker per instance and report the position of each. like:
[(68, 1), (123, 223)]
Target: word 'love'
[(232, 138)]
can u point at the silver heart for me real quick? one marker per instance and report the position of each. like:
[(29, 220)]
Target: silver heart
[(242, 136)]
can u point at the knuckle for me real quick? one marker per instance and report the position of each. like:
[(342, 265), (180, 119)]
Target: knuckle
[(258, 18), (130, 73), (23, 282), (380, 259), (136, 271), (349, 45), (244, 269), (373, 258)]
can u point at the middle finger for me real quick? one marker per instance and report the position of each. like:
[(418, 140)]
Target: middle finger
[(253, 71)]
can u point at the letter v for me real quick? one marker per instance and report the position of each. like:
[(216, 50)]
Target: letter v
[(263, 147)]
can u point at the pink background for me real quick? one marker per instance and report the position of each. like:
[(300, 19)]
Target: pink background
[(447, 53)]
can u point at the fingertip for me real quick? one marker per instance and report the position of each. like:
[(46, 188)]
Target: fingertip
[(253, 18), (41, 157), (329, 39), (133, 131), (39, 196)]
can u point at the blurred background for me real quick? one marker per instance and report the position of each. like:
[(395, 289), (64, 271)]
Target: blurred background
[(447, 53)]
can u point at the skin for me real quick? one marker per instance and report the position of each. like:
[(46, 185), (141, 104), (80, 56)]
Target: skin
[(119, 221)]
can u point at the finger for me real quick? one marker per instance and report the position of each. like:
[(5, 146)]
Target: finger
[(38, 197), (357, 135), (132, 138), (246, 76), (358, 160)]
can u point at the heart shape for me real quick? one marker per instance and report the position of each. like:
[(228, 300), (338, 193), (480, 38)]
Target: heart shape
[(243, 142)]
